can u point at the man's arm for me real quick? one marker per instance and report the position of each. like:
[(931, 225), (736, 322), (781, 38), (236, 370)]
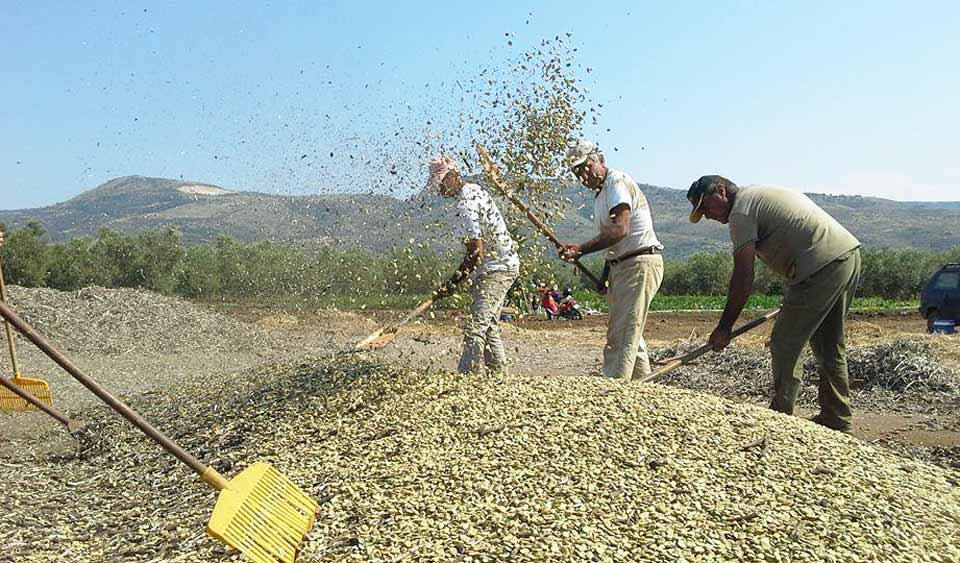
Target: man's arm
[(469, 263), (741, 286), (609, 235)]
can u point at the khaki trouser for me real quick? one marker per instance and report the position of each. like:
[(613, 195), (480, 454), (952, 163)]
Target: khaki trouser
[(814, 311), (632, 285), (481, 337)]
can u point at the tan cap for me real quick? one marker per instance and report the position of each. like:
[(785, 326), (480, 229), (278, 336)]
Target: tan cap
[(578, 152)]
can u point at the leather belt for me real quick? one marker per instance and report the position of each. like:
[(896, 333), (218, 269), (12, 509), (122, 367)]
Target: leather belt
[(641, 252)]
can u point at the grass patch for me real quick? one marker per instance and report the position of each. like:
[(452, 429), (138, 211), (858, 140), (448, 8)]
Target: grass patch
[(588, 299), (716, 302)]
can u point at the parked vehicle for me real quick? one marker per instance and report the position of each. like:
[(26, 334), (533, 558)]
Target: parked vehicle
[(940, 299), (548, 303), (568, 307), (558, 306)]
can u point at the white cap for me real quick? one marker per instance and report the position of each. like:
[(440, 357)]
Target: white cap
[(578, 152), (440, 166)]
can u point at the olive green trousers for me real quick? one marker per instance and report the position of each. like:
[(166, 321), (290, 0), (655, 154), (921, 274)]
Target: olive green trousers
[(815, 311)]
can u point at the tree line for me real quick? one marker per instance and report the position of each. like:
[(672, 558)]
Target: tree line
[(227, 268)]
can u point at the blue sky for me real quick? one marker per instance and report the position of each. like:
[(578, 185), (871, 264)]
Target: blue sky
[(838, 97)]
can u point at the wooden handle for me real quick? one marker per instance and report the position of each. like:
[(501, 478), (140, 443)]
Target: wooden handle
[(11, 345), (104, 395), (494, 175), (548, 232), (690, 356), (754, 323), (670, 366), (421, 308)]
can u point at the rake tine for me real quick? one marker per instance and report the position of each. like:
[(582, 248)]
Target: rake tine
[(72, 426), (243, 492)]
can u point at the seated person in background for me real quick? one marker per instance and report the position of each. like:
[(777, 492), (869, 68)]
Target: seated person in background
[(549, 304)]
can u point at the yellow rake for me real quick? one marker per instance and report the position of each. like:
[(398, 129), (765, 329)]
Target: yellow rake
[(72, 426), (9, 400), (260, 512)]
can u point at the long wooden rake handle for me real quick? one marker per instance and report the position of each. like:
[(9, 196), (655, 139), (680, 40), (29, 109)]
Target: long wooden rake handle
[(690, 356), (11, 345), (548, 232), (494, 175), (421, 309), (209, 475), (72, 426)]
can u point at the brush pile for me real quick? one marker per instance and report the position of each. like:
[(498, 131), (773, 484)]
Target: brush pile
[(902, 365), (415, 465), (905, 371)]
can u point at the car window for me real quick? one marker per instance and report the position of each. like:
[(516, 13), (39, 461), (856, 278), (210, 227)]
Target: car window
[(947, 280)]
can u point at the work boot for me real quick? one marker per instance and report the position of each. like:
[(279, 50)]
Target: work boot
[(837, 425)]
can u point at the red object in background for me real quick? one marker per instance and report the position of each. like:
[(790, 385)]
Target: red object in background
[(549, 304), (566, 304)]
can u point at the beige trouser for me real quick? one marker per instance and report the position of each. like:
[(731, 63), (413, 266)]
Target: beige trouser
[(633, 283), (481, 337)]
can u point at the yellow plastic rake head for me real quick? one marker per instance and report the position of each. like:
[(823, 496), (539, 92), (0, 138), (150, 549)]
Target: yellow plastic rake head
[(261, 513), (10, 401)]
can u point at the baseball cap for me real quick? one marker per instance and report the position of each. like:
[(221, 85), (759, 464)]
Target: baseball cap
[(578, 152), (703, 187)]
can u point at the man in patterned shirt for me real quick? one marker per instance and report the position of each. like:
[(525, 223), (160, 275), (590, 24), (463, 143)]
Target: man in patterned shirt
[(491, 262)]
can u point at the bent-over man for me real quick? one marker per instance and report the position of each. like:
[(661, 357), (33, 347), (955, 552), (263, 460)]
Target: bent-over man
[(820, 263)]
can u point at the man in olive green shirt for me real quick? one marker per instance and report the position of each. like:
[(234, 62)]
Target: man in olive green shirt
[(820, 263)]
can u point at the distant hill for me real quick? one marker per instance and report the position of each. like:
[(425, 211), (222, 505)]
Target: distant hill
[(936, 204), (203, 211), (379, 222)]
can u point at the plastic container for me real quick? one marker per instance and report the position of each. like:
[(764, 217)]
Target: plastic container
[(944, 327)]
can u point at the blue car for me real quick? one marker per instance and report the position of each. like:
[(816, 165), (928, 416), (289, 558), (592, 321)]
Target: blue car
[(940, 298)]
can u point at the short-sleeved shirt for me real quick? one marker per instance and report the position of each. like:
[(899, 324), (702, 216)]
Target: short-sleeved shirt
[(794, 237), (618, 188), (480, 218)]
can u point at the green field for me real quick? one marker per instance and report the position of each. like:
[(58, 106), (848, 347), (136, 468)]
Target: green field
[(716, 302), (587, 299)]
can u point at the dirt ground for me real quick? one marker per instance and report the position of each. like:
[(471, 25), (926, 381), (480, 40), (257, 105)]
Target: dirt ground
[(536, 347)]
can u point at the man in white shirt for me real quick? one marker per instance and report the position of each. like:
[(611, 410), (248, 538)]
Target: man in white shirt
[(491, 262), (632, 253)]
